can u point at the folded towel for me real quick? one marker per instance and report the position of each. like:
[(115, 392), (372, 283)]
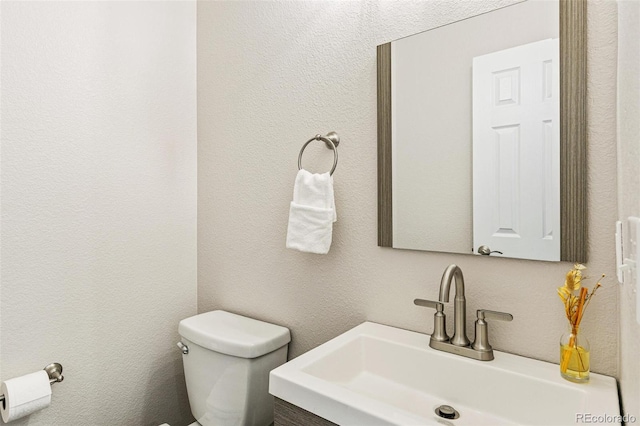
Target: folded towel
[(312, 213)]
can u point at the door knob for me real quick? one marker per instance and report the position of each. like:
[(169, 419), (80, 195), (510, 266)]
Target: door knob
[(486, 251)]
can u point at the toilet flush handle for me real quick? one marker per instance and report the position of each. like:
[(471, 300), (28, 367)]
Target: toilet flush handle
[(184, 348)]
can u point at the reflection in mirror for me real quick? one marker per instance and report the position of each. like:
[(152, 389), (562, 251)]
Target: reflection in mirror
[(469, 138)]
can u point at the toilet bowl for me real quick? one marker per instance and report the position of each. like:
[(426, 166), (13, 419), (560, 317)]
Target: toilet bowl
[(227, 359)]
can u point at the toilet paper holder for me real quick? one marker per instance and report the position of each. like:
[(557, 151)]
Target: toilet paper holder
[(54, 371)]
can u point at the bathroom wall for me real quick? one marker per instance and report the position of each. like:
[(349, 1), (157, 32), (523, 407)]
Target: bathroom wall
[(98, 178), (629, 190), (273, 74)]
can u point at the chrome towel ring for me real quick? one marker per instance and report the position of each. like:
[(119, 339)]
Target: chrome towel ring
[(332, 140)]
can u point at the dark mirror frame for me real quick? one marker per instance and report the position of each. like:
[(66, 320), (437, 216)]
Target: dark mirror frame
[(573, 135)]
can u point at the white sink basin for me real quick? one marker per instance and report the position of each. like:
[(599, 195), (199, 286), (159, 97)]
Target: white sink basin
[(379, 375)]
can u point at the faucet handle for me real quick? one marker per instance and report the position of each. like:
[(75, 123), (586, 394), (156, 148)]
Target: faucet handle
[(494, 315), (438, 306), (482, 332), (439, 324)]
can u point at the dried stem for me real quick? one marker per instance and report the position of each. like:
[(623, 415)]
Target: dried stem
[(566, 356)]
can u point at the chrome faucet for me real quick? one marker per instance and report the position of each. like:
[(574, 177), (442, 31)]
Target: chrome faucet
[(459, 343)]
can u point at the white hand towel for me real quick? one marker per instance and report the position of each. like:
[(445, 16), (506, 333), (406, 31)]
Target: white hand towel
[(312, 213)]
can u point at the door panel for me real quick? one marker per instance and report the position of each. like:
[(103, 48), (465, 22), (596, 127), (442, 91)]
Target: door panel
[(516, 151)]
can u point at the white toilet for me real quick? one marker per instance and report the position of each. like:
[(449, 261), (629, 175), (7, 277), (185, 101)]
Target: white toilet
[(227, 359)]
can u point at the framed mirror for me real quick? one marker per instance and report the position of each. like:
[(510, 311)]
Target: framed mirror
[(482, 135)]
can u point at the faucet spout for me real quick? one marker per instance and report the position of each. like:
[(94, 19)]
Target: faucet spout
[(460, 303), (452, 271)]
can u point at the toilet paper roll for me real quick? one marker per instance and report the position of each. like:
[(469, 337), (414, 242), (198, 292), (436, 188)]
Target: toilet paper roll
[(24, 395)]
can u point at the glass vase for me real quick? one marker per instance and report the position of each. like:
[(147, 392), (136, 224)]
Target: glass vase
[(574, 356)]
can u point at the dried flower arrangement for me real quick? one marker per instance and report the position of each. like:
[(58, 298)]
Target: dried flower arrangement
[(575, 306)]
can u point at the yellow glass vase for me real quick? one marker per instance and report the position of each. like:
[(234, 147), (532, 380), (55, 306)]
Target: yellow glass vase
[(574, 356)]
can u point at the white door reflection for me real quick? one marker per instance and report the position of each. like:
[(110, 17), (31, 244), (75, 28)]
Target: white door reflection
[(516, 151)]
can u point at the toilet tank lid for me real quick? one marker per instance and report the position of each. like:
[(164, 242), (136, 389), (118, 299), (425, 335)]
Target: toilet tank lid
[(233, 334)]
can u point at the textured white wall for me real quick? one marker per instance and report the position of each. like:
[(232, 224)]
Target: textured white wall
[(98, 180), (629, 189), (271, 75)]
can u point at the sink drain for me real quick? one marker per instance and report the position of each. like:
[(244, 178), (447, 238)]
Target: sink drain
[(447, 412)]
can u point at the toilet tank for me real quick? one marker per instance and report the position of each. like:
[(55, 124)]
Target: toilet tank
[(227, 367)]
